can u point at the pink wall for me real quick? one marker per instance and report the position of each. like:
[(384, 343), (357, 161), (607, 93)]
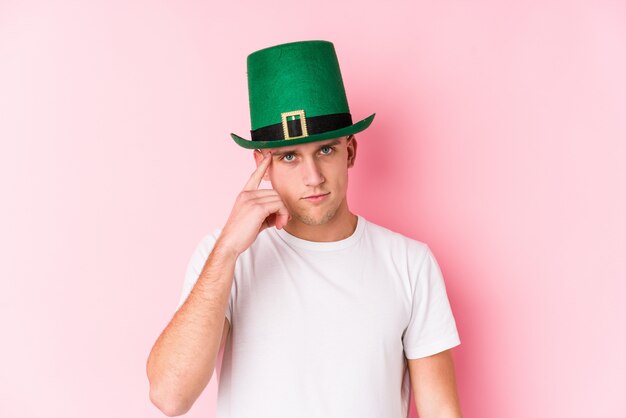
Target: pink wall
[(499, 140)]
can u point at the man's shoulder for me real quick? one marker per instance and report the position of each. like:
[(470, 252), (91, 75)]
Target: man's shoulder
[(380, 232), (396, 246)]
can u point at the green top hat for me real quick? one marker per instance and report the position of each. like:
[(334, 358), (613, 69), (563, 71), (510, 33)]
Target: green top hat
[(297, 96)]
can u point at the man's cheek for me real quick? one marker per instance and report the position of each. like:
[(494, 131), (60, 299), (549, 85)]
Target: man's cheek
[(277, 187), (287, 198)]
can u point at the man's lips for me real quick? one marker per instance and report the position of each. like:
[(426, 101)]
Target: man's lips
[(316, 195)]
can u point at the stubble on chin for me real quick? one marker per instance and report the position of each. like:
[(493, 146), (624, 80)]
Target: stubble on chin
[(309, 220)]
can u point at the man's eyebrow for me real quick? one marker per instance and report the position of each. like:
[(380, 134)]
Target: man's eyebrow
[(292, 151)]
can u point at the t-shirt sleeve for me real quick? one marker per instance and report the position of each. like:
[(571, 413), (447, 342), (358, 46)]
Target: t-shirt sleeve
[(431, 327), (195, 266)]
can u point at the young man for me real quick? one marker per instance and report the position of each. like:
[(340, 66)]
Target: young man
[(317, 312)]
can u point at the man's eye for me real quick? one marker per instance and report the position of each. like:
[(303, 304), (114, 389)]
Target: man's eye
[(328, 148), (285, 157)]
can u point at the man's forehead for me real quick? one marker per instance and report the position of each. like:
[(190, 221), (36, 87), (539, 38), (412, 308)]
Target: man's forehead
[(301, 147)]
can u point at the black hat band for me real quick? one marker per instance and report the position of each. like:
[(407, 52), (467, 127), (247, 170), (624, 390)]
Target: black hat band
[(314, 125)]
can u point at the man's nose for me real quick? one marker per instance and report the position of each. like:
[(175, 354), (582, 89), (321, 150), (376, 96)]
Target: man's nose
[(311, 173)]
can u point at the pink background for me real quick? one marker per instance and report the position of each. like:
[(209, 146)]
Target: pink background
[(499, 139)]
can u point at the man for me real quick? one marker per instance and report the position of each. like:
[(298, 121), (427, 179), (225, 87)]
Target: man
[(317, 311)]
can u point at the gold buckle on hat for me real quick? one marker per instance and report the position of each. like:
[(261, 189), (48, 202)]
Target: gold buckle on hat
[(285, 115)]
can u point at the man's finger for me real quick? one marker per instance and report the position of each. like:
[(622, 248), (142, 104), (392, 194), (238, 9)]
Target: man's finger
[(255, 179), (282, 219), (277, 213)]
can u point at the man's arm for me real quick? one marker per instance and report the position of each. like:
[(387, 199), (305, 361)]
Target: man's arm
[(434, 386), (183, 358)]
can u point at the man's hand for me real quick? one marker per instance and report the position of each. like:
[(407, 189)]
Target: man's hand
[(254, 210)]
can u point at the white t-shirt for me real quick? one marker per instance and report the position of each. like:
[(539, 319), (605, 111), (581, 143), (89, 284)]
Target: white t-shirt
[(323, 329)]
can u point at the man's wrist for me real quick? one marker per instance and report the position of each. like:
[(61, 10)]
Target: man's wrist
[(224, 251)]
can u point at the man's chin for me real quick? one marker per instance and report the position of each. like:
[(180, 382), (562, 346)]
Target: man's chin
[(314, 219)]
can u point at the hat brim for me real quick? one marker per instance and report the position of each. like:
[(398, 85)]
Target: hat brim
[(348, 130)]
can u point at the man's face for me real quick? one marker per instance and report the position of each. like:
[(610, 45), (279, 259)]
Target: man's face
[(316, 168)]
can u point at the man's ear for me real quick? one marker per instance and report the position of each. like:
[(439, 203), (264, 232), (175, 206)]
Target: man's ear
[(351, 148), (258, 157)]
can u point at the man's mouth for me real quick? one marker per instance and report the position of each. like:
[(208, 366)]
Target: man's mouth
[(315, 198)]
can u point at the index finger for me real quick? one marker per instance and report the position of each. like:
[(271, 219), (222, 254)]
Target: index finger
[(255, 179)]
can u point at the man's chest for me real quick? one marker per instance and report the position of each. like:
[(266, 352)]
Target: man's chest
[(313, 303)]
